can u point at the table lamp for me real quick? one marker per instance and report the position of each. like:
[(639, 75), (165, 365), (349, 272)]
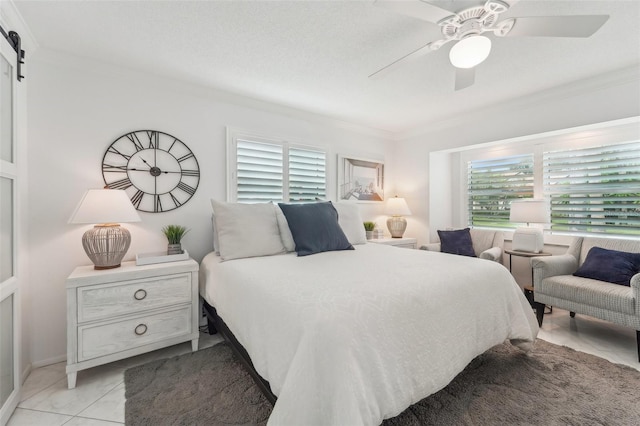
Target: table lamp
[(528, 211), (107, 242), (397, 207)]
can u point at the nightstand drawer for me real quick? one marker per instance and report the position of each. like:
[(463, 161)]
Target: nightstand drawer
[(108, 300), (109, 338)]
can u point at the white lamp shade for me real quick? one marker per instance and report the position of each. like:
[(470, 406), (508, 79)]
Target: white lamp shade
[(470, 51), (104, 206), (529, 211), (397, 206)]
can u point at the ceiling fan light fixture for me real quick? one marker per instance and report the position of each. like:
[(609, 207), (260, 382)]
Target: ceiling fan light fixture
[(470, 51)]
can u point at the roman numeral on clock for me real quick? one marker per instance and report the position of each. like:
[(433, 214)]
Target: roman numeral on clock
[(191, 173), (121, 184), (112, 149), (175, 200), (186, 188), (136, 141), (114, 169), (137, 198), (157, 204), (153, 139), (185, 157)]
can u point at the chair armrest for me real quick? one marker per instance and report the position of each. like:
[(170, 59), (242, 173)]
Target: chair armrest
[(431, 247), (550, 266), (494, 253), (635, 287)]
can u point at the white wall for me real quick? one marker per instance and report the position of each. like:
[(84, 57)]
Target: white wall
[(77, 109), (604, 98)]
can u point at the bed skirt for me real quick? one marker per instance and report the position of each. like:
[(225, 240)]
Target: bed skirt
[(215, 324)]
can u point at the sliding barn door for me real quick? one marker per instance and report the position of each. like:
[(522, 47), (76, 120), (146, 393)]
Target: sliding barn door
[(9, 282)]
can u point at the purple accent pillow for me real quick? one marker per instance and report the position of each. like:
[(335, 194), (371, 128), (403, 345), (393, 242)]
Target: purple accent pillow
[(456, 242), (612, 266)]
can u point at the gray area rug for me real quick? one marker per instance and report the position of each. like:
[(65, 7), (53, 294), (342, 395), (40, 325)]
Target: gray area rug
[(554, 385)]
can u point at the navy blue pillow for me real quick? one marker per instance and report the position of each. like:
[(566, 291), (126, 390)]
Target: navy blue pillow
[(612, 266), (456, 242), (315, 228)]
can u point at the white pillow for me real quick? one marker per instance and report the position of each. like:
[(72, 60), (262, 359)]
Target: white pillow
[(246, 230), (285, 232), (351, 222)]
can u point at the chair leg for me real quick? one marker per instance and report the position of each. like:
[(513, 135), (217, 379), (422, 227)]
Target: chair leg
[(572, 314), (539, 312), (211, 326)]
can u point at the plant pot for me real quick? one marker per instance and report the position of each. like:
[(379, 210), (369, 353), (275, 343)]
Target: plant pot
[(174, 249), (369, 234)]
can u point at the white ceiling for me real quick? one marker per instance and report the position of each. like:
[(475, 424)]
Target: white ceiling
[(316, 55)]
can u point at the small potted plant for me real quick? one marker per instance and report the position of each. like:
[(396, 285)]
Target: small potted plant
[(368, 227), (174, 234)]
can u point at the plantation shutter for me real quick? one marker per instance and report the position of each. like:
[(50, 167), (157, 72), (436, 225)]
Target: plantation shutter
[(595, 189), (493, 184), (307, 175), (259, 172), (275, 171)]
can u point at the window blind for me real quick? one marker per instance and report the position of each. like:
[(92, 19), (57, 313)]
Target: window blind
[(259, 171), (595, 189), (307, 174), (491, 186), (276, 171)]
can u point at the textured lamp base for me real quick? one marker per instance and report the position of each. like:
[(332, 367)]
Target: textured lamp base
[(106, 245), (397, 226)]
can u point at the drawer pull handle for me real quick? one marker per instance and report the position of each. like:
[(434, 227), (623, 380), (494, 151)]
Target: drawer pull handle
[(140, 294), (140, 329)]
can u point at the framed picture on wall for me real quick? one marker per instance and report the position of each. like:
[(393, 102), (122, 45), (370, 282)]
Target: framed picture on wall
[(360, 180)]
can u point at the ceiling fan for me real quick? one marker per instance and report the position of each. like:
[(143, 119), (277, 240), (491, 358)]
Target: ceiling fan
[(466, 29)]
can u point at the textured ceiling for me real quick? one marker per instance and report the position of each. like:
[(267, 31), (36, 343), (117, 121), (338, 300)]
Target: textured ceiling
[(316, 55)]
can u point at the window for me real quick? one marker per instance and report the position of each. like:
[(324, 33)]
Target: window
[(594, 189), (590, 177), (491, 186), (307, 171), (266, 170)]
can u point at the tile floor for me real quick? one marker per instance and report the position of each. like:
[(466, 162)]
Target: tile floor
[(98, 399)]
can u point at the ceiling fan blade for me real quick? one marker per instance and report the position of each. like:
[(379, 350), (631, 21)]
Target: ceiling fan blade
[(557, 26), (416, 9), (419, 52), (465, 77)]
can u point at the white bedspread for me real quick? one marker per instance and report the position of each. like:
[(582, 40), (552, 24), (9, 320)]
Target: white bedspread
[(354, 337)]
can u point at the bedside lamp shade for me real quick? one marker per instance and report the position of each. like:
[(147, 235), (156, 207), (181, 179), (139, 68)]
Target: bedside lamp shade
[(108, 242), (528, 211), (397, 207)]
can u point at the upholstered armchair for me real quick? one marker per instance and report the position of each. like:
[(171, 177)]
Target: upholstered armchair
[(487, 244), (555, 284)]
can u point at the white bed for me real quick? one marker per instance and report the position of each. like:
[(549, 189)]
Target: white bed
[(354, 337)]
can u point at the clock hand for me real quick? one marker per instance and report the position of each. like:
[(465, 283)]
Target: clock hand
[(145, 162)]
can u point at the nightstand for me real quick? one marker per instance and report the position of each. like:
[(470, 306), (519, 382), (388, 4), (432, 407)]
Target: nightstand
[(411, 243), (122, 312)]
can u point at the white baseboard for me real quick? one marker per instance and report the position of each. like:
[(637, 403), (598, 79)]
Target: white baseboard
[(48, 361)]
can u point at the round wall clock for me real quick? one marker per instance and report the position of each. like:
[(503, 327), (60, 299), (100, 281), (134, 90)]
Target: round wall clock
[(158, 171)]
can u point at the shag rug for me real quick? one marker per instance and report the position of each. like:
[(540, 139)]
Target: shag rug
[(554, 385)]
